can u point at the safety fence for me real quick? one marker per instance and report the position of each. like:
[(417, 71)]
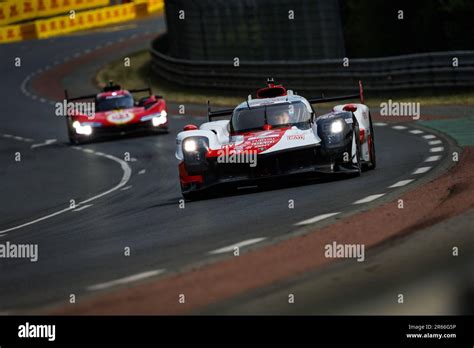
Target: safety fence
[(415, 71), (75, 20), (13, 11)]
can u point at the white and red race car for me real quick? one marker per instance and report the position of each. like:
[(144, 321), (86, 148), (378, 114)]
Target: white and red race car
[(276, 134)]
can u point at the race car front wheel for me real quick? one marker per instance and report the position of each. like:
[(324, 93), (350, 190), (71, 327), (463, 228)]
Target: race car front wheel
[(190, 193), (75, 140)]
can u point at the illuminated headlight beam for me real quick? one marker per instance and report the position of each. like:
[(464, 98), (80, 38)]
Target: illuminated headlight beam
[(80, 129), (156, 119), (190, 145), (337, 126)]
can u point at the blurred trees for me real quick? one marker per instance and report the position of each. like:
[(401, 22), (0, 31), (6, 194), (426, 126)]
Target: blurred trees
[(372, 28)]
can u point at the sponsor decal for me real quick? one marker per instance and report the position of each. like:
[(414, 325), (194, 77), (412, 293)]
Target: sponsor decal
[(120, 117), (296, 137)]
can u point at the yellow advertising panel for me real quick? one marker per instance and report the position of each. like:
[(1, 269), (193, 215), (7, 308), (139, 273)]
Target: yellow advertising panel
[(19, 10)]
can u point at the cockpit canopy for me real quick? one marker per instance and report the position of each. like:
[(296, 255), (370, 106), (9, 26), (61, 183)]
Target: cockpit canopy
[(114, 102), (274, 115)]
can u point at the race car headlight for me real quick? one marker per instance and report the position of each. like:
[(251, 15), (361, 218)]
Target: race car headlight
[(82, 129), (190, 145), (337, 126), (156, 119), (87, 130)]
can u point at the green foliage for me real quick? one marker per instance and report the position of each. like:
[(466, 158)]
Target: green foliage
[(372, 28)]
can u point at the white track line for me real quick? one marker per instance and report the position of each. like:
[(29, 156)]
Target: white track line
[(379, 124), (437, 149), (416, 131), (83, 207), (127, 171), (47, 142), (237, 245), (369, 198), (429, 136), (126, 188), (399, 127), (433, 159), (401, 183), (421, 170), (125, 280), (143, 171), (435, 142), (315, 219)]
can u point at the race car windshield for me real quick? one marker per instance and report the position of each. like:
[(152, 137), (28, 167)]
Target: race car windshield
[(114, 103), (279, 115)]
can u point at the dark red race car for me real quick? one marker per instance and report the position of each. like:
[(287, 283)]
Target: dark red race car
[(114, 111)]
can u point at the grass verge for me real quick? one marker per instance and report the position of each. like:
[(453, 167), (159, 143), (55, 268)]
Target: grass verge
[(139, 74)]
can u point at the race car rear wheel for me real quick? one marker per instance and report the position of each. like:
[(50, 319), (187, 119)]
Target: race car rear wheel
[(356, 142), (373, 159)]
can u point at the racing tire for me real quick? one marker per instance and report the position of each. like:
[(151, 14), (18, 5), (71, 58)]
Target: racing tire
[(372, 155), (75, 140), (358, 164), (191, 194)]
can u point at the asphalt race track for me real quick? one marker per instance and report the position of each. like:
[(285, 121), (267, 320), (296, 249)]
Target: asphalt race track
[(135, 203)]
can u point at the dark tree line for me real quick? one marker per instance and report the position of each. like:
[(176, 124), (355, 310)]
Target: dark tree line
[(372, 28)]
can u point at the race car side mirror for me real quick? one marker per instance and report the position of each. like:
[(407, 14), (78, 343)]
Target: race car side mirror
[(150, 100), (190, 127), (350, 107)]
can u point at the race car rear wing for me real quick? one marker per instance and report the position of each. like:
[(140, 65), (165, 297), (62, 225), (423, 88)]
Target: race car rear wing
[(323, 99), (92, 96), (218, 113), (66, 96), (318, 100), (147, 89)]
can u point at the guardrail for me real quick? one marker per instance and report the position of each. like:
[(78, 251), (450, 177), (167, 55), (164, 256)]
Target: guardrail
[(414, 71)]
